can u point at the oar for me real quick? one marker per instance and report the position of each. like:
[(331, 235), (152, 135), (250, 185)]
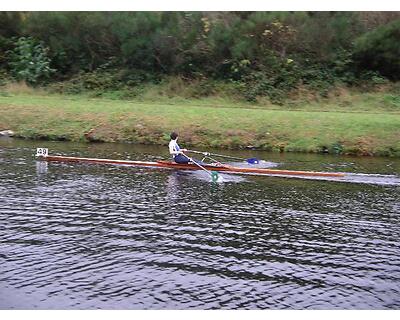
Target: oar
[(213, 174), (250, 160)]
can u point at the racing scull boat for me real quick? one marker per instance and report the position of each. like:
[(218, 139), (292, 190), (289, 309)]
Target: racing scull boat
[(43, 155)]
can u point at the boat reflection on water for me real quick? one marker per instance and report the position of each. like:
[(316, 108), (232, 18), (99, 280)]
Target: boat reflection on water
[(172, 187), (41, 167)]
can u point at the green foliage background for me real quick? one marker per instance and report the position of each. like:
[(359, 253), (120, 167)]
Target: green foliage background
[(260, 54)]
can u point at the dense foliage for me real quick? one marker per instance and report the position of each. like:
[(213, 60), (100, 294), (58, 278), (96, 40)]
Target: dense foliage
[(379, 50), (261, 53), (29, 61)]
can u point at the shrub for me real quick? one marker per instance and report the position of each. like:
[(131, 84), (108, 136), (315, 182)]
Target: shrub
[(379, 50), (29, 61), (275, 79)]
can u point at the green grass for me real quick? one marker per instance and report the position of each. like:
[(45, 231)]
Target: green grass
[(365, 124)]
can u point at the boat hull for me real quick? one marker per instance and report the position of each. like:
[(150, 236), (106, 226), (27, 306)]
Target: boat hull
[(177, 166)]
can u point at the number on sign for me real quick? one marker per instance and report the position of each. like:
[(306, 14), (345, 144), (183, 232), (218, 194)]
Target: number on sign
[(42, 152)]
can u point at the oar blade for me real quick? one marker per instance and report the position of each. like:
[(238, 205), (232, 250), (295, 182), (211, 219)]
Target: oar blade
[(214, 176), (253, 161)]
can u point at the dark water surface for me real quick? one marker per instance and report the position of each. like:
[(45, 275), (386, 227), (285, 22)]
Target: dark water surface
[(76, 236)]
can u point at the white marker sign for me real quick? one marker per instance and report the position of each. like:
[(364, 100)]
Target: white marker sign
[(42, 152)]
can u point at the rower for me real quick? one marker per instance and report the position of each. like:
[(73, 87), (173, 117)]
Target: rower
[(176, 152)]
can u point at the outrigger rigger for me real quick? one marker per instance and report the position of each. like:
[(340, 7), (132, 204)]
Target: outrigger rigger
[(42, 154)]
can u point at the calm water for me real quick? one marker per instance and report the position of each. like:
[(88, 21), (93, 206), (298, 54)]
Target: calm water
[(76, 236)]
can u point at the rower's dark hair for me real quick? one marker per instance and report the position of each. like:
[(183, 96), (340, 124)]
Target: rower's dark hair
[(173, 135)]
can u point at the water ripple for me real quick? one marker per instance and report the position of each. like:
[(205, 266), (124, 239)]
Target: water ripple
[(89, 237)]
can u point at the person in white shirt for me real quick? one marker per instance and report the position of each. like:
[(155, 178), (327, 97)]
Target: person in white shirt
[(176, 152)]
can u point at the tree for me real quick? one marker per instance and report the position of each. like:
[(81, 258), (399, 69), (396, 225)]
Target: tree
[(29, 61), (379, 50)]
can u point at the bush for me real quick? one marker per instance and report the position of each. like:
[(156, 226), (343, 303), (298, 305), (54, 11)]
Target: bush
[(5, 47), (4, 78), (379, 50), (29, 61), (106, 81), (275, 79)]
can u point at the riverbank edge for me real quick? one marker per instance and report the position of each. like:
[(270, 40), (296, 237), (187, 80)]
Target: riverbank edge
[(362, 152), (329, 148), (59, 119)]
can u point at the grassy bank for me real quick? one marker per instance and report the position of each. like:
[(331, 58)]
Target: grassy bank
[(362, 124)]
